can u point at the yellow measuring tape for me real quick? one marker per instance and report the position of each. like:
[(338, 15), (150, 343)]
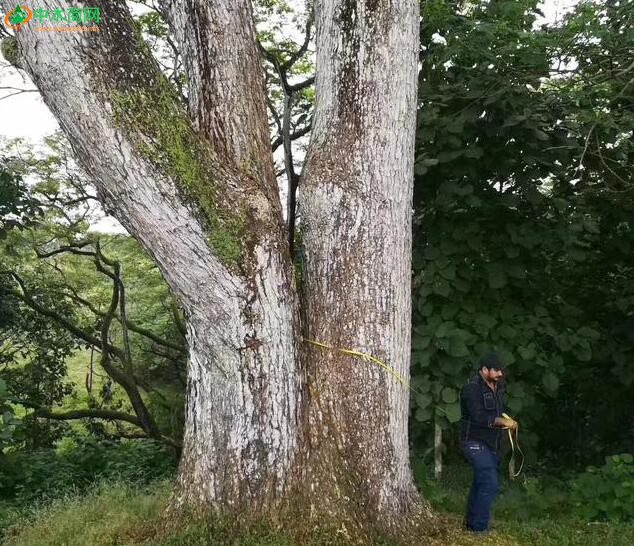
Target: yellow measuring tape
[(514, 445), (382, 364)]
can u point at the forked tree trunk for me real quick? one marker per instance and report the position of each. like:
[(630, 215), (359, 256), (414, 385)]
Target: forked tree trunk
[(198, 191)]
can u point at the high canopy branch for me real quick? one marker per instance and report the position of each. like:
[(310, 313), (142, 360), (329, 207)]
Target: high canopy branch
[(218, 43)]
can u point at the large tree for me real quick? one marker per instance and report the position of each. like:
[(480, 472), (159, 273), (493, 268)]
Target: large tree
[(271, 417)]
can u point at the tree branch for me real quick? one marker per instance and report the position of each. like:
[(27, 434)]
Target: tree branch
[(304, 47), (127, 381), (73, 248), (293, 136), (18, 93), (291, 176), (26, 298), (132, 326), (89, 413), (301, 85)]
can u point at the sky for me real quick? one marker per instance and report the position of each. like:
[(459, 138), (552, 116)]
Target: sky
[(26, 116)]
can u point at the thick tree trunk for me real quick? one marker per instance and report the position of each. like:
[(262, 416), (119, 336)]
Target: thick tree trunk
[(209, 214), (199, 192), (356, 207), (217, 40)]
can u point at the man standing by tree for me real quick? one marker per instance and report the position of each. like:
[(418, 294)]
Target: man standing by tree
[(480, 431)]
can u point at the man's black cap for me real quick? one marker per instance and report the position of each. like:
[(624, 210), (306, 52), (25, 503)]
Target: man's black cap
[(490, 360)]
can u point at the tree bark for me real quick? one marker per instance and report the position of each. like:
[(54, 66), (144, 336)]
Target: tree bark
[(201, 201), (356, 208), (265, 422)]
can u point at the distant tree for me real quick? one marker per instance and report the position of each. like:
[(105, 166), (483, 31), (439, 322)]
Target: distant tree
[(63, 292)]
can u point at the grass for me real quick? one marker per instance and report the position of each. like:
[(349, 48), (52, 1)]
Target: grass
[(118, 514), (102, 517), (545, 532)]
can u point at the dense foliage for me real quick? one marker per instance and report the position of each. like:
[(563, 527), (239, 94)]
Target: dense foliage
[(57, 279), (525, 207), (75, 466), (606, 492)]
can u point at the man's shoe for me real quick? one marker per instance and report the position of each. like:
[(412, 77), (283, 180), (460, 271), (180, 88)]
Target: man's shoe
[(466, 527)]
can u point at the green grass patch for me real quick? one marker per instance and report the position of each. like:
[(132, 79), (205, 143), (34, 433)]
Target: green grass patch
[(118, 514), (103, 517), (77, 368)]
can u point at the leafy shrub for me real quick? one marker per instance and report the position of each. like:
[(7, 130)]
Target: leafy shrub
[(430, 488), (27, 476), (606, 492), (543, 497), (9, 424)]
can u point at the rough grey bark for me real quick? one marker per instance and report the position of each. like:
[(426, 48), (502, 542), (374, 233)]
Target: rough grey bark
[(356, 206), (218, 43), (198, 191), (243, 380)]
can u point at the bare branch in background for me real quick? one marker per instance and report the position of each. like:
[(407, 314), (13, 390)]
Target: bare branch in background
[(304, 47), (20, 92), (293, 136), (287, 133)]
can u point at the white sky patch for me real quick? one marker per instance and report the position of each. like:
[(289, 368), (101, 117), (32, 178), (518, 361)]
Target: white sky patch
[(555, 10), (23, 115), (438, 39)]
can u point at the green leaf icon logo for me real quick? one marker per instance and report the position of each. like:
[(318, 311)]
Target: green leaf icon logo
[(17, 15)]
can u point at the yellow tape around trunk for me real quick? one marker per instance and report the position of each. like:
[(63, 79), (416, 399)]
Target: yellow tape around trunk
[(367, 356), (389, 369)]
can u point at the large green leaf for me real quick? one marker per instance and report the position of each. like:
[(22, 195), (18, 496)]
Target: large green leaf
[(423, 415), (457, 347), (497, 278), (452, 411), (550, 381), (423, 400), (528, 352), (449, 395), (420, 343), (441, 287)]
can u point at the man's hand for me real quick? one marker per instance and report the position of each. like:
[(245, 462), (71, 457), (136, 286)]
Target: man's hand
[(506, 422)]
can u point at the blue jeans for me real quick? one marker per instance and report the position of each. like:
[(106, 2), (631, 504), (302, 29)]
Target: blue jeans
[(484, 486)]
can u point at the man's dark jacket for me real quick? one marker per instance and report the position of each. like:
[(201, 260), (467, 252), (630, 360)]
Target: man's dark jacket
[(480, 406)]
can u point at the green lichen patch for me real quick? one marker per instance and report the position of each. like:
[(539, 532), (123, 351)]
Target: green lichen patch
[(155, 121), (227, 240), (10, 51)]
